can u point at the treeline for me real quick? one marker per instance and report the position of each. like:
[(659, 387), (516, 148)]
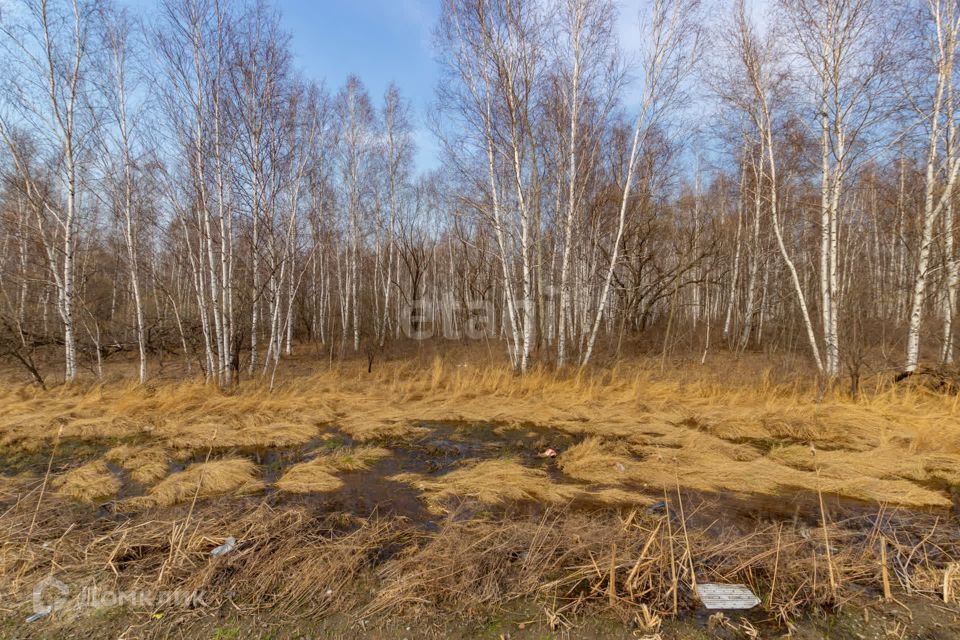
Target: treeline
[(172, 184)]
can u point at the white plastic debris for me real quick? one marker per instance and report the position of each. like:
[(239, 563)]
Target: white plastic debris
[(726, 596), (40, 614), (548, 453), (228, 545)]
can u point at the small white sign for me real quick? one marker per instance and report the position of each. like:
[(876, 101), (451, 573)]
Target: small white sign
[(726, 596)]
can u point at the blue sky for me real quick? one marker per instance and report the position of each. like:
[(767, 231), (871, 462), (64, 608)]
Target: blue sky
[(378, 40), (391, 40)]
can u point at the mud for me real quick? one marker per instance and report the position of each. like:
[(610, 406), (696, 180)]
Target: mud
[(441, 448)]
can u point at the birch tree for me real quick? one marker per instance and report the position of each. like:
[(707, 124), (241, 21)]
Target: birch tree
[(845, 46), (757, 77), (941, 28), (47, 94), (671, 36), (122, 149), (589, 80)]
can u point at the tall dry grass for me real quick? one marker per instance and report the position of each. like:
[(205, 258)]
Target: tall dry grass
[(291, 560), (896, 444)]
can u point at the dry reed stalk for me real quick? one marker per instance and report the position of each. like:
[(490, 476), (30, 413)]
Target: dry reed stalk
[(612, 585), (686, 539), (176, 534), (634, 572), (674, 584), (948, 574), (776, 564), (46, 478), (826, 540), (884, 573), (43, 487)]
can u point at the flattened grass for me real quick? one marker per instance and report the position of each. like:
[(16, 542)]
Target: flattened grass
[(318, 475), (90, 483), (146, 464), (235, 476), (898, 444), (594, 460), (246, 432), (491, 482)]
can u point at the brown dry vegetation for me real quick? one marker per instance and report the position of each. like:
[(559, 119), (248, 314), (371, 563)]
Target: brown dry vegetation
[(87, 483), (499, 525), (235, 476), (317, 475), (146, 464), (493, 482), (899, 445), (293, 561)]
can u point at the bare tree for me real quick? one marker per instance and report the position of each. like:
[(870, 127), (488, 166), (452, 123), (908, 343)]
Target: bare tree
[(672, 37), (47, 95), (120, 48), (942, 28)]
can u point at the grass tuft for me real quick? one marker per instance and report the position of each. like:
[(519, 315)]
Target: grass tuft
[(91, 482), (317, 475), (594, 460), (204, 479), (146, 464), (491, 482)]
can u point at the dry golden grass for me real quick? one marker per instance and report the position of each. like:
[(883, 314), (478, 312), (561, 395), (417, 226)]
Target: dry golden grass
[(593, 460), (146, 464), (308, 477), (381, 568), (317, 475), (895, 444), (352, 458), (635, 429), (491, 482), (369, 423), (247, 432), (91, 482), (236, 476)]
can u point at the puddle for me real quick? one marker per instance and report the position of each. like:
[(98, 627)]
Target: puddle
[(448, 442), (271, 461), (442, 448), (370, 491)]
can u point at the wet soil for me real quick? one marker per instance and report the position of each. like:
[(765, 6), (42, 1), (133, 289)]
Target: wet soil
[(68, 453), (439, 449)]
